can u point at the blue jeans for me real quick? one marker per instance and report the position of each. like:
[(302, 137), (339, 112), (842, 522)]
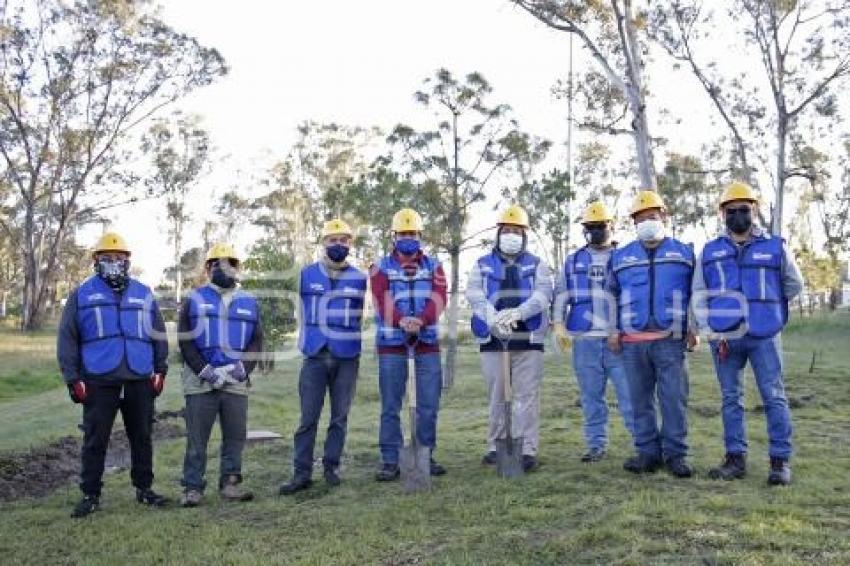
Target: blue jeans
[(594, 365), (321, 374), (765, 357), (658, 369), (392, 383)]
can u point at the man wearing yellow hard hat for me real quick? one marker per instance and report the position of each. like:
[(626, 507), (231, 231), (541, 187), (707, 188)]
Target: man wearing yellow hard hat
[(582, 312), (651, 282), (510, 290), (113, 353), (409, 294), (332, 293), (741, 291), (221, 338)]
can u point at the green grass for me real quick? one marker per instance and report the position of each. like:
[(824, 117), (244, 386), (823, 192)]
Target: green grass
[(565, 513), (27, 364)]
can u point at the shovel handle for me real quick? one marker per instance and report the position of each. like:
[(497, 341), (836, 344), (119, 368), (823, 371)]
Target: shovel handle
[(411, 381), (506, 374)]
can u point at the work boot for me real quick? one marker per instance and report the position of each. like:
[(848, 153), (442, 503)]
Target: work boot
[(296, 484), (87, 505), (332, 477), (437, 469), (780, 472), (529, 463), (734, 467), (489, 458), (191, 498), (593, 455), (388, 472), (232, 491), (642, 464), (151, 498), (679, 467)]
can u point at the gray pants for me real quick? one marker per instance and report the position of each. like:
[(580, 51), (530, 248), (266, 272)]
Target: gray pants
[(201, 412), (527, 374)]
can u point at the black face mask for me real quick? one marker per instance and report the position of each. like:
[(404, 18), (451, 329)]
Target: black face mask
[(739, 220), (221, 277), (114, 273), (596, 235)]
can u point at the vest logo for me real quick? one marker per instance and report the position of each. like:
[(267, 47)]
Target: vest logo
[(96, 297), (136, 301), (720, 253), (350, 290), (529, 267), (317, 286), (763, 256), (486, 269), (246, 312), (580, 265), (597, 272), (631, 258), (673, 254), (208, 306)]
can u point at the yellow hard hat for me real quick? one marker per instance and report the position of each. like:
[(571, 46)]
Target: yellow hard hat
[(645, 200), (222, 251), (336, 226), (111, 242), (596, 212), (407, 220), (514, 215), (738, 191)]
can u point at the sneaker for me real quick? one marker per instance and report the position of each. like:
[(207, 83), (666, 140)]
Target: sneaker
[(151, 498), (529, 463), (642, 464), (780, 472), (593, 455), (232, 491), (437, 469), (191, 498), (489, 459), (87, 505), (679, 467), (296, 484), (734, 467), (388, 472), (332, 477)]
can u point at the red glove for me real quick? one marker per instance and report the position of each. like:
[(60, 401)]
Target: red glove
[(157, 382), (77, 391)]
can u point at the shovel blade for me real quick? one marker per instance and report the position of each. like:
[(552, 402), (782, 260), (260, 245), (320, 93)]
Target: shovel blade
[(509, 457), (415, 466)]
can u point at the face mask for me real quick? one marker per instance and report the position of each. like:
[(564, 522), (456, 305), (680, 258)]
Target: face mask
[(114, 273), (220, 278), (596, 235), (337, 252), (739, 221), (407, 246), (510, 244), (650, 230)]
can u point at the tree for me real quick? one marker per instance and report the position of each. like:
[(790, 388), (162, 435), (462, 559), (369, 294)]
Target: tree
[(272, 274), (691, 199), (179, 148), (610, 32), (75, 77), (473, 141)]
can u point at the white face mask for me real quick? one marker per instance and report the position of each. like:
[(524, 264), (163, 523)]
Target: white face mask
[(650, 230), (510, 244)]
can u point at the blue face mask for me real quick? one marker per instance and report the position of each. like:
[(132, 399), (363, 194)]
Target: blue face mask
[(337, 252), (407, 246)]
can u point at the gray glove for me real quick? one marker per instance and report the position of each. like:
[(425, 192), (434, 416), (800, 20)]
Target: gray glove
[(238, 372), (212, 376)]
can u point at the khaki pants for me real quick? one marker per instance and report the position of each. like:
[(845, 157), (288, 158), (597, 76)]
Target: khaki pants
[(527, 373)]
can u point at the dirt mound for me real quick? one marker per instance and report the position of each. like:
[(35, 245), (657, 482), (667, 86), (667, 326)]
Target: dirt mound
[(41, 470)]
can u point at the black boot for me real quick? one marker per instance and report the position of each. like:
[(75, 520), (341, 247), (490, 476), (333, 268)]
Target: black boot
[(296, 484), (437, 469), (734, 467), (642, 464), (529, 463), (780, 472), (150, 497), (87, 505), (331, 477), (388, 472), (679, 467), (593, 455), (489, 459)]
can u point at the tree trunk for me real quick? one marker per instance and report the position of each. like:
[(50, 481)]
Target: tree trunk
[(781, 140), (3, 299), (451, 350)]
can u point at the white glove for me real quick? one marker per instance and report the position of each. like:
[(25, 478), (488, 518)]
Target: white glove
[(222, 375), (508, 318)]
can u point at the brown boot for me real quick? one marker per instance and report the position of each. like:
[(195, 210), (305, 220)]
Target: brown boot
[(232, 491), (191, 498)]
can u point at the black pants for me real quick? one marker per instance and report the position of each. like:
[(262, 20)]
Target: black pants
[(102, 404), (320, 375)]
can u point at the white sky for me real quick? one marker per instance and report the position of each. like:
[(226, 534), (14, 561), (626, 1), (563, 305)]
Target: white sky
[(359, 63)]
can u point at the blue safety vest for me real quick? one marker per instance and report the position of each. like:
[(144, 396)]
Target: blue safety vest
[(580, 297), (222, 335), (492, 269), (410, 295), (331, 311), (653, 286), (754, 271), (115, 327)]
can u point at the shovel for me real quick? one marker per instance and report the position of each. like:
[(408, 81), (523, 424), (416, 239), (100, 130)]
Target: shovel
[(415, 459), (508, 449)]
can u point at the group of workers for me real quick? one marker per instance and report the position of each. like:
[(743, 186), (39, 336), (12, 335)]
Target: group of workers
[(628, 313)]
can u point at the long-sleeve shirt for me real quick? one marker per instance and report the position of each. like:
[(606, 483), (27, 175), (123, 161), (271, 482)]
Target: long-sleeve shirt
[(384, 303), (70, 357)]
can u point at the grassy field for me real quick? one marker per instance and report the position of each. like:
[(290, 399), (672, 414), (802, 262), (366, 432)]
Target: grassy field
[(565, 513)]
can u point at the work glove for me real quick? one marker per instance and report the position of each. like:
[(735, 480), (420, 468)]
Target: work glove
[(212, 376), (238, 372), (562, 337), (77, 391), (157, 383), (508, 317)]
